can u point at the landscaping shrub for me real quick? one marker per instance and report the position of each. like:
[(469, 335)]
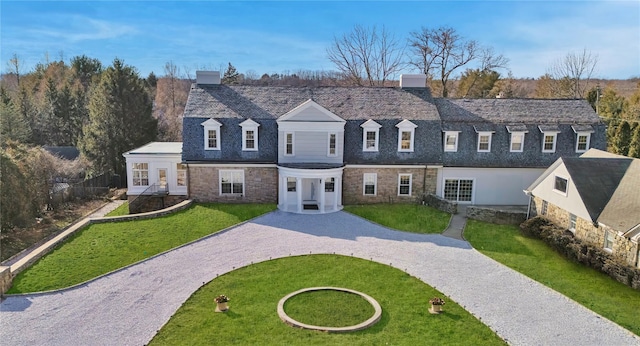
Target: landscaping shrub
[(565, 243)]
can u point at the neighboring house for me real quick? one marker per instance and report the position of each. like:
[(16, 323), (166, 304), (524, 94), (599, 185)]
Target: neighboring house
[(595, 196), (317, 148)]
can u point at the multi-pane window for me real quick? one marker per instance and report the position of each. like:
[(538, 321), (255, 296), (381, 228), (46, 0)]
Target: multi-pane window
[(329, 184), (451, 141), (212, 139), (291, 184), (517, 141), (370, 182), (332, 144), (484, 142), (560, 184), (549, 143), (405, 143), (573, 220), (609, 239), (460, 190), (231, 182), (140, 173), (404, 185), (249, 141), (582, 142), (288, 143), (181, 170), (545, 207), (371, 141)]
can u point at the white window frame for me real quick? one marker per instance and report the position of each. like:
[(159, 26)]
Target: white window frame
[(487, 135), (545, 208), (137, 170), (405, 126), (573, 222), (249, 126), (293, 141), (400, 185), (554, 136), (566, 188), (517, 135), (233, 174), (587, 142), (370, 126), (181, 170), (335, 144), (373, 177), (609, 240), (211, 125), (451, 134)]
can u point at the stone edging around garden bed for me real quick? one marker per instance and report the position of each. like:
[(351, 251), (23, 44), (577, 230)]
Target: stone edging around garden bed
[(45, 248), (366, 324)]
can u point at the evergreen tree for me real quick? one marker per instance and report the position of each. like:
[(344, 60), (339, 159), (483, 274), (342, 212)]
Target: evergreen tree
[(231, 75), (119, 117), (622, 139), (476, 83), (13, 126), (634, 146)]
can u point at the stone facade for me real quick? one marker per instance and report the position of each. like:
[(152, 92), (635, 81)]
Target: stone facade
[(260, 185), (155, 203), (440, 203), (5, 279), (587, 231), (423, 180)]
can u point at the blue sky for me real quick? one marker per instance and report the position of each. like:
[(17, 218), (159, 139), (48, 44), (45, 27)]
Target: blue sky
[(277, 36)]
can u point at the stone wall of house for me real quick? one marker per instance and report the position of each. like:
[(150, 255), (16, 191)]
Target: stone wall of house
[(440, 203), (260, 185), (423, 181), (155, 203), (5, 279), (496, 215), (586, 231)]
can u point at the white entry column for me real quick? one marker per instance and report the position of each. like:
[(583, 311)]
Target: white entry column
[(299, 194)]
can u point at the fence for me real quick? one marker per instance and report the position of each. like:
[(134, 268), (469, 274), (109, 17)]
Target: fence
[(62, 193)]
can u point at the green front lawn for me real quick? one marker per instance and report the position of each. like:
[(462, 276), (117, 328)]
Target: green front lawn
[(102, 248), (531, 257), (122, 210), (404, 217), (255, 291)]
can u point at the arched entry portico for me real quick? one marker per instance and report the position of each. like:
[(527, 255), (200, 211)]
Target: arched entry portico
[(309, 190)]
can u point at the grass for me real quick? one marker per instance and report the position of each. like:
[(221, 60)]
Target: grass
[(328, 308), (533, 258), (405, 217), (255, 290), (102, 248), (122, 210)]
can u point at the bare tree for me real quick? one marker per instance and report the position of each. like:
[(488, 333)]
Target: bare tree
[(439, 52), (576, 69), (365, 56)]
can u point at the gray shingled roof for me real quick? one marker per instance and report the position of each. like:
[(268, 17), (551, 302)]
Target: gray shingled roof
[(349, 103), (621, 213), (596, 180)]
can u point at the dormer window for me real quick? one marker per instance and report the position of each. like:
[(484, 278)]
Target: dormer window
[(249, 135), (406, 134), (484, 142), (583, 137), (211, 134), (370, 135), (451, 141), (549, 137), (516, 145)]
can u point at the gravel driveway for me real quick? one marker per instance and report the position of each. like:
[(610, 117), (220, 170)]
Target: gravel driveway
[(128, 307)]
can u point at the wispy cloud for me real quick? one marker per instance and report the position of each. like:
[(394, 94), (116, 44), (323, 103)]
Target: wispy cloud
[(77, 28)]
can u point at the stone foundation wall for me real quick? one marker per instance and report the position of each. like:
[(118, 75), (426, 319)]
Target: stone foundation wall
[(496, 215), (5, 279), (423, 181), (155, 203), (586, 231), (440, 203), (260, 185)]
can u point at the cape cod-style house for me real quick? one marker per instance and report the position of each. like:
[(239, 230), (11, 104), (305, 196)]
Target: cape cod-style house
[(313, 149)]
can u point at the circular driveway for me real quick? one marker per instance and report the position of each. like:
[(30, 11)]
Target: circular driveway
[(127, 307)]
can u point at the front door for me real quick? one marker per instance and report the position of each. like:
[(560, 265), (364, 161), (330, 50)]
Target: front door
[(162, 179)]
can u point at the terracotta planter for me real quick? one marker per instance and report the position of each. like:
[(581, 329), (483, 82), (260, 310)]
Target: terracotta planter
[(222, 307), (435, 309)]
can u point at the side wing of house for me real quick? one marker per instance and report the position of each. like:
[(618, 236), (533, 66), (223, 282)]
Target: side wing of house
[(156, 168)]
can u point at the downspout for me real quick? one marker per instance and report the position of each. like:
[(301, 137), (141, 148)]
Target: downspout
[(528, 193)]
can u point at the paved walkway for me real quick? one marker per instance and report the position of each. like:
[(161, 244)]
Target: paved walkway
[(457, 223), (128, 307)]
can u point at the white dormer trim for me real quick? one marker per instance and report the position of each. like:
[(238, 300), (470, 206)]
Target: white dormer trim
[(405, 126), (448, 147), (488, 135), (211, 125), (290, 115), (584, 131), (288, 121), (367, 127), (249, 126), (551, 132)]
